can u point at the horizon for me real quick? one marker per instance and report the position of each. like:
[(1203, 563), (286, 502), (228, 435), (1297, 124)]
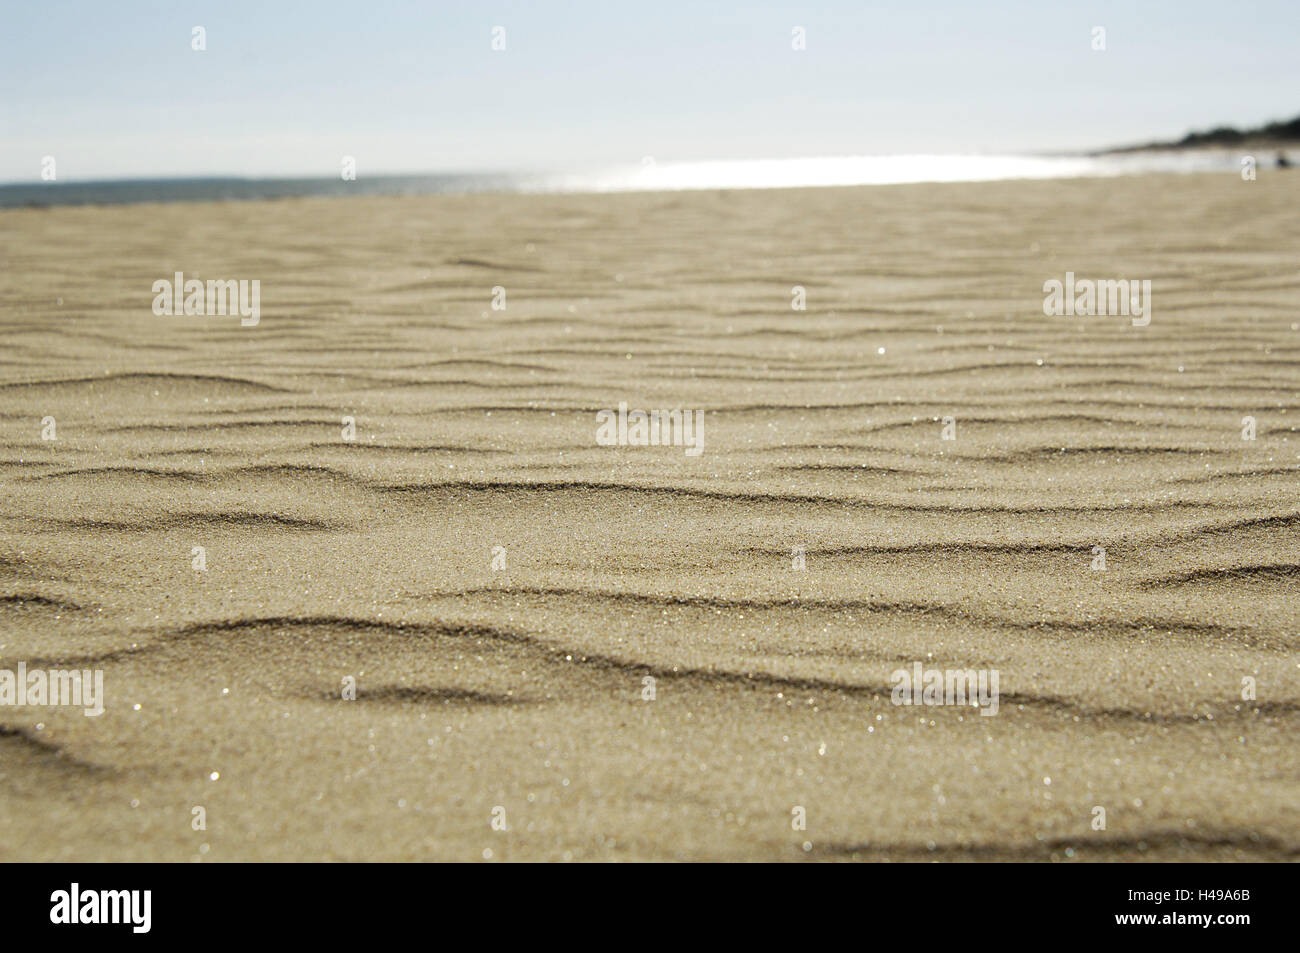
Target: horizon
[(652, 177), (117, 96), (578, 169)]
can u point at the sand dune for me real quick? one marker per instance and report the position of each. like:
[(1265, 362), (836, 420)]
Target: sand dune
[(522, 688)]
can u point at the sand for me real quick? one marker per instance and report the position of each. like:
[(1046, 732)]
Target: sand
[(519, 694)]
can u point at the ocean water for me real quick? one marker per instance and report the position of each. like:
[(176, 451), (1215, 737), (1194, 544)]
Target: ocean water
[(647, 175)]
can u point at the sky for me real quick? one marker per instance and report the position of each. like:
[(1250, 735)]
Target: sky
[(115, 90)]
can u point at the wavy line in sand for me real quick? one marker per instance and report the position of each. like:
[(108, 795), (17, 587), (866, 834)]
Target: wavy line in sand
[(1263, 572), (711, 678), (27, 600), (136, 377), (737, 496), (1285, 521), (183, 520), (1140, 625), (428, 695), (48, 751), (1101, 844)]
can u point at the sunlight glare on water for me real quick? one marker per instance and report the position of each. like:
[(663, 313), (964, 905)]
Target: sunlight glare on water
[(874, 170)]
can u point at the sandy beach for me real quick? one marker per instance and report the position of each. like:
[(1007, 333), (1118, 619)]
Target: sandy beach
[(569, 651)]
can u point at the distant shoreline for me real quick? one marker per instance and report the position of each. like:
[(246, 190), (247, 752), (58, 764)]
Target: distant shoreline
[(1195, 152), (831, 171)]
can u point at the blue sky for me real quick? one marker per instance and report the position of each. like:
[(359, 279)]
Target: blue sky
[(114, 90)]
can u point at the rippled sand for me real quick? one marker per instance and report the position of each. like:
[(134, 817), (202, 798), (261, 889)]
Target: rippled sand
[(522, 689)]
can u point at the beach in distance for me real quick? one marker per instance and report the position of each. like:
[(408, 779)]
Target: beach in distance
[(632, 526)]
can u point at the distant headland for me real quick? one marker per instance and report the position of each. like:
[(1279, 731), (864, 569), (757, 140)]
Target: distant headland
[(1274, 135)]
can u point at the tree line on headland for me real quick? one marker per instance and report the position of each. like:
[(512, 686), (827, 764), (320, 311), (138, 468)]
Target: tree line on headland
[(1274, 133)]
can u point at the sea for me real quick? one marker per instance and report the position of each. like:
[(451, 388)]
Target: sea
[(646, 175)]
